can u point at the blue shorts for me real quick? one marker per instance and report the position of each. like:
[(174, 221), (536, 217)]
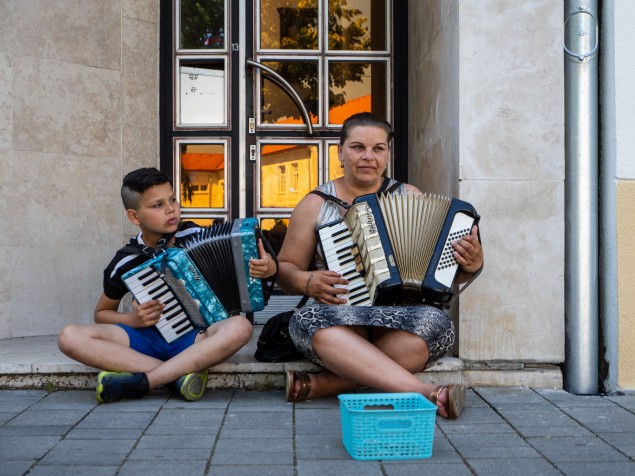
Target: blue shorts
[(148, 341)]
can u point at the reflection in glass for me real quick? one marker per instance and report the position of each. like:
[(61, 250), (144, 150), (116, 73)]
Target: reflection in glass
[(276, 105), (207, 221), (202, 175), (202, 24), (289, 24), (335, 167), (287, 173), (202, 93), (274, 230), (357, 25), (356, 87)]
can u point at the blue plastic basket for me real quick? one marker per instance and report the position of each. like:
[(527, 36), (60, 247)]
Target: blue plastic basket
[(387, 425)]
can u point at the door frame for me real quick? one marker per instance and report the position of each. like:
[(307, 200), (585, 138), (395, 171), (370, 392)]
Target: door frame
[(241, 169)]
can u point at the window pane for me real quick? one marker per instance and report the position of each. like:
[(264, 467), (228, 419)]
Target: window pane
[(274, 230), (356, 87), (287, 173), (276, 105), (202, 24), (202, 175), (357, 25), (289, 24), (206, 221), (202, 93), (335, 168)]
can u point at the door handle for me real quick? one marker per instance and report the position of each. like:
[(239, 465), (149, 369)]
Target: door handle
[(284, 84)]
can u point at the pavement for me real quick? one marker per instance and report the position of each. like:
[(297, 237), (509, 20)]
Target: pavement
[(503, 431), (51, 424)]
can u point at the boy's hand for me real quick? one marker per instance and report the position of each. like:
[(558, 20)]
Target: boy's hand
[(147, 314), (263, 267)]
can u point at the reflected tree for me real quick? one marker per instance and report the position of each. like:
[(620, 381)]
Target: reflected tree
[(202, 24), (347, 30)]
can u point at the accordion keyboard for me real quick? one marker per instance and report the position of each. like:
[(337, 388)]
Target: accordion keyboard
[(147, 285), (337, 247)]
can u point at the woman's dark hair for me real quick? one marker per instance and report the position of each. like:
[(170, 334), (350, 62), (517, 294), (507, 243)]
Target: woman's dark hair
[(364, 119), (137, 182)]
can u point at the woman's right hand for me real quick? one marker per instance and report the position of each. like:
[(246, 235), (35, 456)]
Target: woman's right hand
[(320, 285)]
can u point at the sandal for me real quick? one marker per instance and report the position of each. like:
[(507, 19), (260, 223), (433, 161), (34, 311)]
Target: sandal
[(305, 385), (456, 399)]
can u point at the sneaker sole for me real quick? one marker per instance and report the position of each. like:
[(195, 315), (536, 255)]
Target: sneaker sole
[(193, 388)]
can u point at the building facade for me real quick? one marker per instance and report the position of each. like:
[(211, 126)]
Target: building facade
[(475, 90)]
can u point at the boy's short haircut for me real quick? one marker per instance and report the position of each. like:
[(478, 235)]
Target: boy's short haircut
[(137, 182)]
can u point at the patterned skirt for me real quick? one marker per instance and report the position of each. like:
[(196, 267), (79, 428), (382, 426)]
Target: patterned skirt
[(428, 322)]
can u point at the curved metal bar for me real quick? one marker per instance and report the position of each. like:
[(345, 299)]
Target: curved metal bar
[(280, 81)]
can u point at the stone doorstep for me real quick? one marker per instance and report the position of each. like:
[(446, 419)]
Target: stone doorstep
[(36, 362)]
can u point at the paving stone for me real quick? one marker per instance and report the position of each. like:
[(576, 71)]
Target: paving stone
[(58, 417), (25, 447), (252, 458), (513, 466), (116, 421), (251, 470), (191, 467), (256, 445), (595, 468), (320, 467), (576, 449), (427, 466), (78, 470)]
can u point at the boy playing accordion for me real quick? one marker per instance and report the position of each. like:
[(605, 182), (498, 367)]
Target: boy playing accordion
[(126, 346)]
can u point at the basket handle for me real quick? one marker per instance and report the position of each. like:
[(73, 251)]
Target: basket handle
[(393, 424)]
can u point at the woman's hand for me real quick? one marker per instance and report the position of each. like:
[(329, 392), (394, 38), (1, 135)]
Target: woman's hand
[(263, 267), (320, 285), (468, 252)]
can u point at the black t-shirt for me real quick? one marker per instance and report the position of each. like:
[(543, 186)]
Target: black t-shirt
[(125, 260)]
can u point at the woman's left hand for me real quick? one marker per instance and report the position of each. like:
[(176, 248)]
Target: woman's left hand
[(468, 252)]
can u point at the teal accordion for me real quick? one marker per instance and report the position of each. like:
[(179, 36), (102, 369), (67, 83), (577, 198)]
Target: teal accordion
[(202, 281)]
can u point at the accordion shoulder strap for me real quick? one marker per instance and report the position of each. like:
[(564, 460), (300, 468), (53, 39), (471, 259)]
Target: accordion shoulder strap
[(383, 189), (332, 198), (302, 302)]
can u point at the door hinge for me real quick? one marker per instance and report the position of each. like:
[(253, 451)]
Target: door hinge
[(252, 125), (252, 153)]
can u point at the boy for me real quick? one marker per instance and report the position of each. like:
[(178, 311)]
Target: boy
[(126, 344)]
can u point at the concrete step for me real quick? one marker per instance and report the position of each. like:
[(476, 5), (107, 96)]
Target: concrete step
[(36, 362)]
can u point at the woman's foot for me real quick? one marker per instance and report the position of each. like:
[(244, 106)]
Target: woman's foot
[(450, 399), (298, 386)]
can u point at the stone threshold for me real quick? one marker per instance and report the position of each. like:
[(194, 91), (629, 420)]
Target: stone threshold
[(36, 362)]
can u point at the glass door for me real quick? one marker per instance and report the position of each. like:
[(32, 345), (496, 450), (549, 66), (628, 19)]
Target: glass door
[(253, 95)]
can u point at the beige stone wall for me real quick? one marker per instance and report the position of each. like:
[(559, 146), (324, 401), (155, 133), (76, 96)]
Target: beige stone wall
[(78, 108), (489, 121), (433, 95), (626, 282)]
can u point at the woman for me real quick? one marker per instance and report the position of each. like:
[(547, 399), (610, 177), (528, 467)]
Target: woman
[(377, 347)]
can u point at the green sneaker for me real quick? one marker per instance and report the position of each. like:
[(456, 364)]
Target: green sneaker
[(115, 386), (191, 386)]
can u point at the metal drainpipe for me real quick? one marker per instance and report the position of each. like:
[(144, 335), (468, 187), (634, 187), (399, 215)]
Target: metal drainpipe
[(581, 38), (608, 206)]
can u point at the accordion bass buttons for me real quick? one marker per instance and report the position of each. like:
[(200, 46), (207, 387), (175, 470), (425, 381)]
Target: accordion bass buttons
[(448, 266)]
